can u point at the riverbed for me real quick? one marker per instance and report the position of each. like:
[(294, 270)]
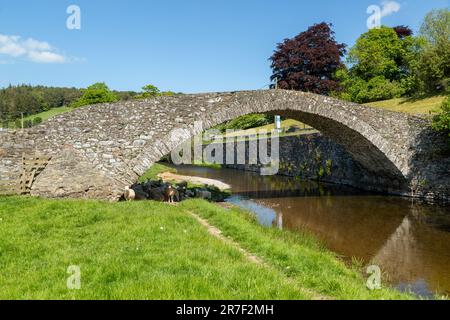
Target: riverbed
[(409, 240)]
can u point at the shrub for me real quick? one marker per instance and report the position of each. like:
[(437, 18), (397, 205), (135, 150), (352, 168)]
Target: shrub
[(96, 93), (361, 91), (27, 123), (37, 121), (441, 122)]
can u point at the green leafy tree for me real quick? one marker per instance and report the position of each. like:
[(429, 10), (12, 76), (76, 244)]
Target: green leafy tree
[(94, 94), (434, 66), (382, 63), (149, 91), (441, 122), (308, 61)]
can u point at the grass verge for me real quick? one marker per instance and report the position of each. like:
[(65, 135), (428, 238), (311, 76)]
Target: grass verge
[(148, 250), (410, 105), (157, 168)]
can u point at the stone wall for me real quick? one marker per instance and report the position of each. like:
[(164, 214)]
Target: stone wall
[(313, 156)]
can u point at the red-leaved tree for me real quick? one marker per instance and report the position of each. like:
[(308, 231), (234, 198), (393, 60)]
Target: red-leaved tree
[(308, 61), (403, 31)]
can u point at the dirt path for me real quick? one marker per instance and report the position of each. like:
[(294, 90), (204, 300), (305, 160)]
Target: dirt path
[(218, 234), (167, 177), (215, 232)]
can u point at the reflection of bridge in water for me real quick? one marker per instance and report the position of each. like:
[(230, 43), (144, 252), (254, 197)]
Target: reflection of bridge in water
[(392, 233)]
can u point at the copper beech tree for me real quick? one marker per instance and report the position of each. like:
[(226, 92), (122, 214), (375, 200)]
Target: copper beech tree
[(308, 61)]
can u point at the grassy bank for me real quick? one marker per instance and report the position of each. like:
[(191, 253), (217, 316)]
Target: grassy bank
[(410, 105), (46, 114), (157, 168), (147, 250)]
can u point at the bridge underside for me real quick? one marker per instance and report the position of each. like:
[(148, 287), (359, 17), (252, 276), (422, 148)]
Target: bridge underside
[(98, 150)]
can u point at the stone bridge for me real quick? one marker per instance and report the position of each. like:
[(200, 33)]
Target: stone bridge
[(98, 150)]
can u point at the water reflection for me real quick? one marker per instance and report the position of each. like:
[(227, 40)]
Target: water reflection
[(409, 240)]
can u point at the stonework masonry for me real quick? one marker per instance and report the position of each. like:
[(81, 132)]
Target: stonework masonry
[(98, 150)]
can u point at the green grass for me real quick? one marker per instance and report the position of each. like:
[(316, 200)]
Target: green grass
[(299, 256), (50, 113), (411, 105), (147, 250), (202, 164), (46, 114), (157, 168)]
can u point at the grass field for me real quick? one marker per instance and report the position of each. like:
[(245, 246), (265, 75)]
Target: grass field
[(152, 173), (410, 105), (50, 113), (46, 114), (148, 250)]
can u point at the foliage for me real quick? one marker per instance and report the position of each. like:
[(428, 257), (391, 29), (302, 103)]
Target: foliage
[(150, 91), (361, 91), (441, 122), (125, 95), (383, 62), (37, 121), (29, 100), (246, 122), (308, 61), (403, 31), (434, 65), (94, 94)]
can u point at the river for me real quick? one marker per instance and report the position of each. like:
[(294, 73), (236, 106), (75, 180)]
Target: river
[(409, 240)]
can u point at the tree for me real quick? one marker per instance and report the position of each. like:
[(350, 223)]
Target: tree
[(434, 65), (383, 63), (309, 61), (441, 122), (149, 91), (403, 31), (96, 93)]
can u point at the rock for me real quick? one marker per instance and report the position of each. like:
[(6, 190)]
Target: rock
[(203, 194), (190, 194), (157, 194), (139, 192)]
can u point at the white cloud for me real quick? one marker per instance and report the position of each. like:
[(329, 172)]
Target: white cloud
[(46, 57), (389, 7), (33, 50)]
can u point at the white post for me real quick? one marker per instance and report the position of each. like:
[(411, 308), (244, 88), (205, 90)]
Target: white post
[(278, 123)]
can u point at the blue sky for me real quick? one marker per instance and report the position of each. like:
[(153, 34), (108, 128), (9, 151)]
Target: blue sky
[(187, 46)]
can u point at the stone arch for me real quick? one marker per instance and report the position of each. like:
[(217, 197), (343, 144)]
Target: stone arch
[(356, 127)]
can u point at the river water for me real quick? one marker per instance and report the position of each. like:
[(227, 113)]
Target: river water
[(409, 240)]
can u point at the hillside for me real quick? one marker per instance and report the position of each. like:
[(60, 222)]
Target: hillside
[(410, 105)]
